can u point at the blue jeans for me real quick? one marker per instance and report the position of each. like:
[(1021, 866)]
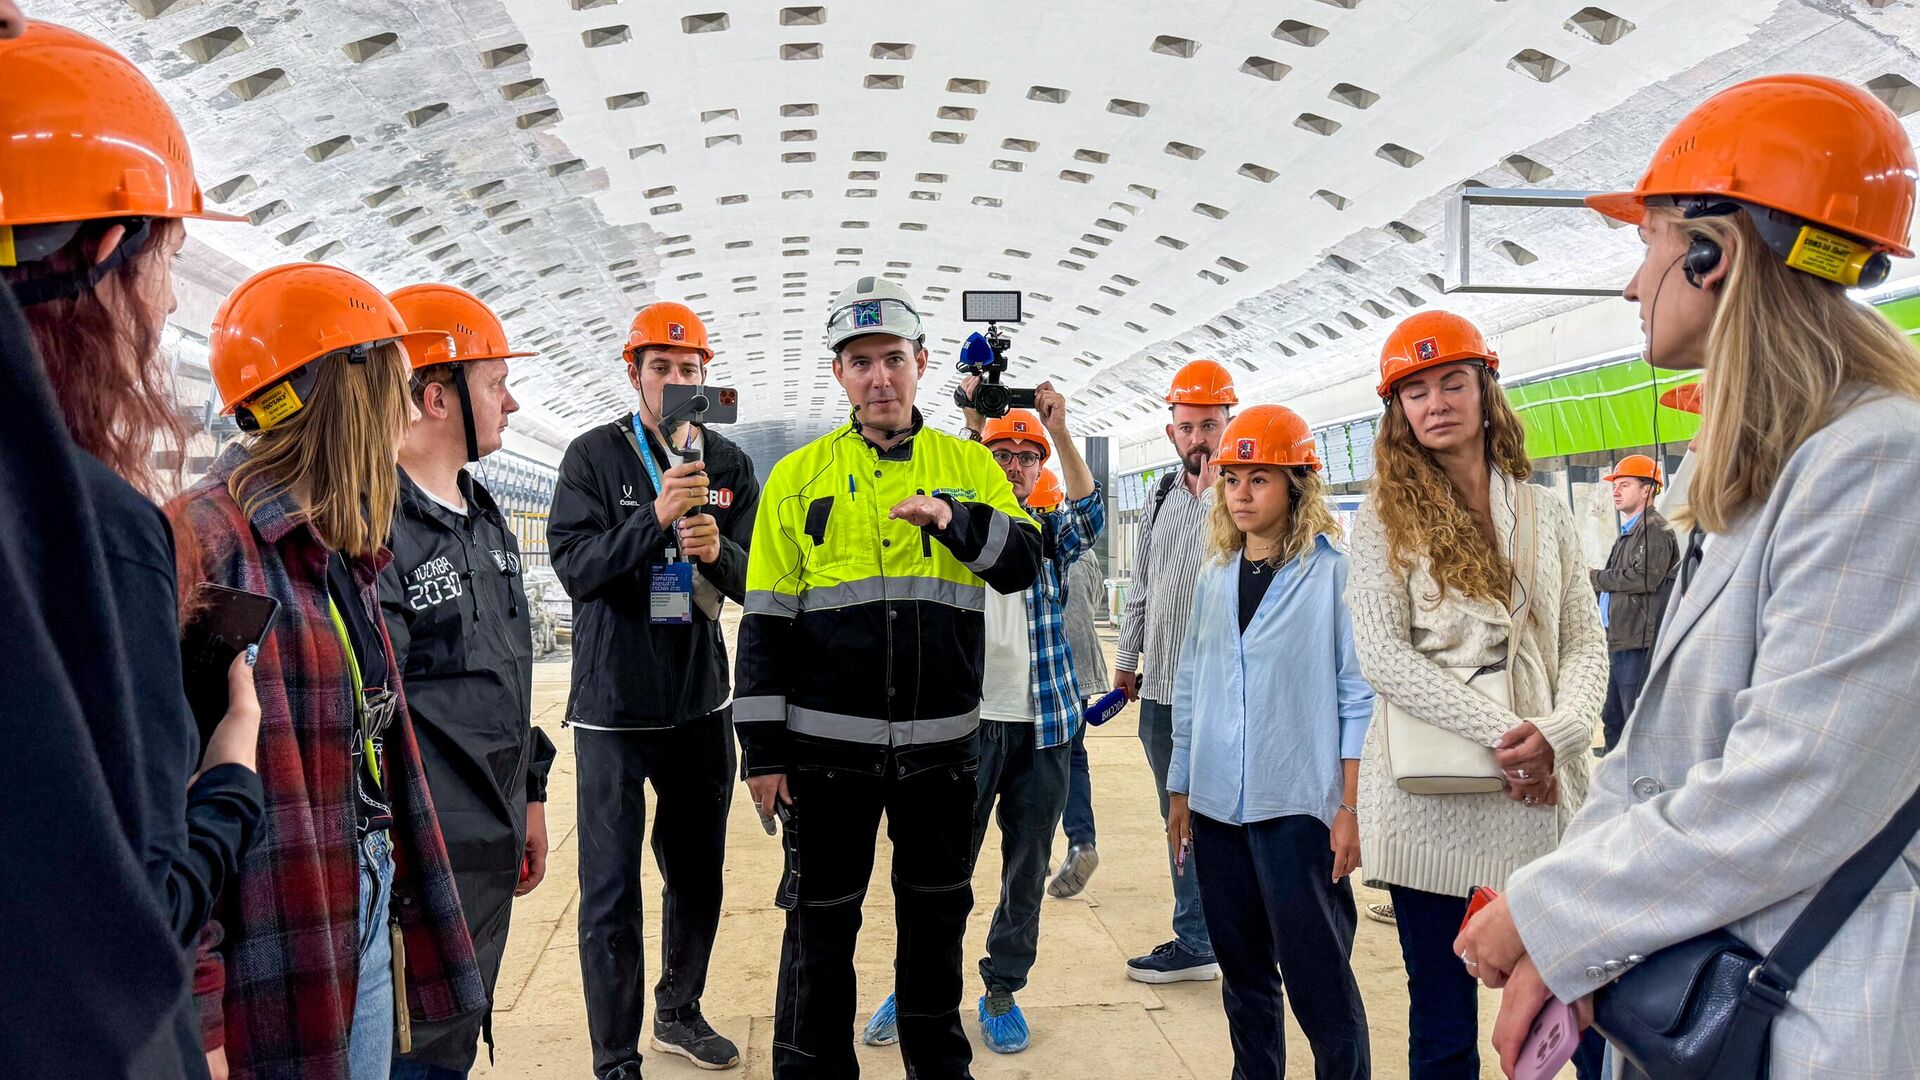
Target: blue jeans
[(1189, 923), (1079, 814), (370, 1041)]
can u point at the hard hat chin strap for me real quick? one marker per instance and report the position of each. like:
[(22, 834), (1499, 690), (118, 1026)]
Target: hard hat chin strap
[(73, 283), (466, 411)]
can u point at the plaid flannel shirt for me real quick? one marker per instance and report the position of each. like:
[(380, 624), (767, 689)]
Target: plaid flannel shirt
[(1066, 534), (279, 961)]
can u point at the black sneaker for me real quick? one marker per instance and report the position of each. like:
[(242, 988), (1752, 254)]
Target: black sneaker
[(626, 1070), (1172, 963), (694, 1039)]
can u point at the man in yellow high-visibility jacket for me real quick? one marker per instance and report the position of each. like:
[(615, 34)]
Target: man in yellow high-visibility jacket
[(858, 688)]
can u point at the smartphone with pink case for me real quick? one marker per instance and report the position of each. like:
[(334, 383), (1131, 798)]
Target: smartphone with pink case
[(1550, 1043)]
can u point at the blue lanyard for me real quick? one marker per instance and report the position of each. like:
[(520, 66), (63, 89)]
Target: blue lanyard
[(646, 452)]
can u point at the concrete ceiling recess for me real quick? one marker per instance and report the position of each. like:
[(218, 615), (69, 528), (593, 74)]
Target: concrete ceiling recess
[(1257, 182)]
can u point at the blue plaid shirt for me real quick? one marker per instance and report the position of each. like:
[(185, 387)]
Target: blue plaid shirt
[(1066, 534)]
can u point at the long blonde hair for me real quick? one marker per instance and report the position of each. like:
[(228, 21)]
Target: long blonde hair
[(338, 452), (1307, 518), (1784, 349), (1422, 512)]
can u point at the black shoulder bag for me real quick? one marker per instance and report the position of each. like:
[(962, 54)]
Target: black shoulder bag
[(1704, 1009)]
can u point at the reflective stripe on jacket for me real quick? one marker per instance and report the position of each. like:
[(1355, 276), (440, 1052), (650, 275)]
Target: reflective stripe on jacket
[(864, 635)]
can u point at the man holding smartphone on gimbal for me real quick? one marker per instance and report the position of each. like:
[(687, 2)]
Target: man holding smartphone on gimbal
[(639, 537)]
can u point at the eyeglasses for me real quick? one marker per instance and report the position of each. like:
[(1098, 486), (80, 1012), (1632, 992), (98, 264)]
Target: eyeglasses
[(1027, 458)]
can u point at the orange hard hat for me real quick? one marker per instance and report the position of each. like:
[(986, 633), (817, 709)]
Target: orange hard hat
[(1047, 492), (87, 136), (1428, 340), (1268, 435), (1018, 424), (1635, 465), (1685, 397), (285, 317), (1202, 382), (669, 324), (472, 331), (1825, 151)]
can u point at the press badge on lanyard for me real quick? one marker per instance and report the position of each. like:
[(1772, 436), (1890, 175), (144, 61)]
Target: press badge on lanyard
[(671, 592), (669, 587)]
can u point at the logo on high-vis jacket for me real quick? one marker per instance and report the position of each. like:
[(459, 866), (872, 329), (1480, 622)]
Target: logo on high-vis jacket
[(720, 497), (676, 332), (1427, 348), (1243, 449), (626, 495)]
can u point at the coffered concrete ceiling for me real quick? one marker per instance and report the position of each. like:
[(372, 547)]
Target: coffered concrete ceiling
[(1257, 182)]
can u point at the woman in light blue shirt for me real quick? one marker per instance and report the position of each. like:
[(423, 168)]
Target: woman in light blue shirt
[(1269, 713)]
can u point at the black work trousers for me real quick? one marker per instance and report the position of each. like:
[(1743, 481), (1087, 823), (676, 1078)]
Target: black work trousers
[(691, 768), (830, 833), (1278, 919)]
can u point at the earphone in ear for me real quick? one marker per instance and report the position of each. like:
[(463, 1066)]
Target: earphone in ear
[(1703, 254)]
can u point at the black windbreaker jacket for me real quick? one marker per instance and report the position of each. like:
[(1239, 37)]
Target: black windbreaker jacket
[(457, 611), (604, 536)]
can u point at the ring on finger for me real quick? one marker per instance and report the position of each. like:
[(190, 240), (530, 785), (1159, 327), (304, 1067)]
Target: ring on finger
[(1524, 775)]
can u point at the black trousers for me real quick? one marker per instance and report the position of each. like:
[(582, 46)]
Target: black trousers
[(1443, 1025), (691, 768), (1626, 674), (1278, 919), (830, 833)]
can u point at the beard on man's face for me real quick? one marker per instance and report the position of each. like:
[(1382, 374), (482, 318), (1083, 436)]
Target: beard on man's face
[(1196, 459)]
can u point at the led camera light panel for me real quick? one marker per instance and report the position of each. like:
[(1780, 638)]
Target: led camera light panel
[(996, 305)]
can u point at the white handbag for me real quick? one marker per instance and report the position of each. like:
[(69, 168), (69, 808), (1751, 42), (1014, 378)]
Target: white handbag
[(1428, 760)]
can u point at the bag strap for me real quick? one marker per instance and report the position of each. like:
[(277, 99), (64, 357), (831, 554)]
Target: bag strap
[(1833, 905), (1160, 490)]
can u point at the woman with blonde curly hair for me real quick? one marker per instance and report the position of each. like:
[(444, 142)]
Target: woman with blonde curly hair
[(1461, 569), (1269, 710)]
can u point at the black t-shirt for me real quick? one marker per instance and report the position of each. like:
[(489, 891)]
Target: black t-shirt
[(374, 811), (1254, 579)]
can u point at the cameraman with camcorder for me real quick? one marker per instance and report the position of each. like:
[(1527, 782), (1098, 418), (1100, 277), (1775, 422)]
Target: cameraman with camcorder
[(645, 545)]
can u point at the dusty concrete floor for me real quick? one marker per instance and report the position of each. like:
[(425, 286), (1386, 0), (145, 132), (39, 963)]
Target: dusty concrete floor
[(1089, 1020)]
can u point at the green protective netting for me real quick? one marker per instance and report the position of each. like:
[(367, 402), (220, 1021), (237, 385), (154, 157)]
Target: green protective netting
[(1604, 409)]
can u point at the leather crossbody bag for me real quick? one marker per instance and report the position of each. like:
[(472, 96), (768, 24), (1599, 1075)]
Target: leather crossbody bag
[(1704, 1009)]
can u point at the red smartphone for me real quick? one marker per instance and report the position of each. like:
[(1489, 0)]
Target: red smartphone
[(1551, 1042), (1479, 898)]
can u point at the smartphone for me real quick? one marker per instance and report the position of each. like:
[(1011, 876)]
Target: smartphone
[(1551, 1042), (1479, 898), (221, 624), (678, 401)]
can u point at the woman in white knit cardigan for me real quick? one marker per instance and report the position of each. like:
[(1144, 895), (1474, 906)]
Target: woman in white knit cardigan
[(1438, 581)]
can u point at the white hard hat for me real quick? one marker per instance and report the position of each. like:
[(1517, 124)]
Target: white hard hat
[(872, 306)]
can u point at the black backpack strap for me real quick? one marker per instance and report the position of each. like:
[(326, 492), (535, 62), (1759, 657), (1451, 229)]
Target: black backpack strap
[(1834, 904), (1160, 491)]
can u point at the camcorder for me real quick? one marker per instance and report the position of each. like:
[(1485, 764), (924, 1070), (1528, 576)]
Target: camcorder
[(985, 355)]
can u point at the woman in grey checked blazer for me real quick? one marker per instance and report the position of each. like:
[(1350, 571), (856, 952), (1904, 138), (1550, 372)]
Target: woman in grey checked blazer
[(1776, 733)]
